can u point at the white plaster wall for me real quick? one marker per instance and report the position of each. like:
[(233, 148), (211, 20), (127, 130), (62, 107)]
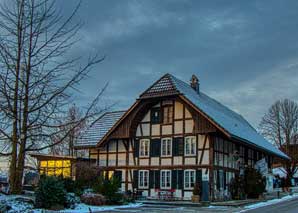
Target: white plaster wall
[(178, 127), (147, 117), (189, 126), (167, 130), (177, 160), (178, 110), (190, 161), (146, 129), (155, 129), (166, 161), (155, 161)]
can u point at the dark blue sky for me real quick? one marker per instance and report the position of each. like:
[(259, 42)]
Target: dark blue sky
[(244, 52)]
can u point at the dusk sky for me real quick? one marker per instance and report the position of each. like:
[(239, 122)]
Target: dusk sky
[(245, 53)]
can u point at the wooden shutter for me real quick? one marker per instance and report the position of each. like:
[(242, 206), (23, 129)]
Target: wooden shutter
[(174, 179), (199, 178), (155, 148), (151, 179), (135, 178), (180, 179), (178, 146), (136, 148), (118, 175), (157, 179)]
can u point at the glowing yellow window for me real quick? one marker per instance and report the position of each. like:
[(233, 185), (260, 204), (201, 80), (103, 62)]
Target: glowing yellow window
[(51, 163), (66, 172), (59, 163), (58, 172), (66, 163), (43, 164)]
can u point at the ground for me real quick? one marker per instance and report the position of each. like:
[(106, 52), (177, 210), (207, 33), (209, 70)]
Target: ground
[(287, 204)]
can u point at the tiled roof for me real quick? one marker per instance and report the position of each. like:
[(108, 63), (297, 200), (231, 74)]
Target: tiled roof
[(229, 120), (99, 129), (163, 87)]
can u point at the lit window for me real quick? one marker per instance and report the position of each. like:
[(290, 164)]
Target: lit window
[(167, 114), (165, 179), (144, 147), (166, 147), (190, 146), (189, 179), (143, 178)]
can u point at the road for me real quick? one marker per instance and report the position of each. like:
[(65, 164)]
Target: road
[(290, 206)]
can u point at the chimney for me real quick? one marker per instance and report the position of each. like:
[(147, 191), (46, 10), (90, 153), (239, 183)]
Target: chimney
[(194, 83)]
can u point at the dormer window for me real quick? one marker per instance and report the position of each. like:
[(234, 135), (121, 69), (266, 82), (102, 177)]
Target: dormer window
[(155, 115)]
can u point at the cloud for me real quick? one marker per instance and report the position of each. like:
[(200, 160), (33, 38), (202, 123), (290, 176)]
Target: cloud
[(252, 98)]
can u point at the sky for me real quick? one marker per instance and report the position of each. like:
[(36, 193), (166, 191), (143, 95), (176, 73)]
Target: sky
[(245, 53)]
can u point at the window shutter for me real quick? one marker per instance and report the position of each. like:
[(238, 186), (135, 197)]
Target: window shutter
[(135, 178), (180, 179), (178, 146), (151, 179), (199, 178), (157, 179), (155, 148), (118, 175), (174, 179), (136, 147)]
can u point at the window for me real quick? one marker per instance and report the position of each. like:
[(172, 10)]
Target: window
[(144, 147), (167, 114), (189, 179), (165, 179), (143, 178), (155, 115), (166, 147), (190, 146)]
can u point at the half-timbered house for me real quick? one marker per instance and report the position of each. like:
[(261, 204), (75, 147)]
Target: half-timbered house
[(172, 137)]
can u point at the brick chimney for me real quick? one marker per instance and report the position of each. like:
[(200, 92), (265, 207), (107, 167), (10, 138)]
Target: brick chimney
[(194, 83)]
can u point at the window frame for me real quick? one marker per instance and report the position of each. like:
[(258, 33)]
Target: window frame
[(140, 147), (167, 140), (152, 112), (192, 139), (143, 185), (189, 178), (166, 171)]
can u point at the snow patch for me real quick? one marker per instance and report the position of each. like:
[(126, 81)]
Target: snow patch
[(269, 202)]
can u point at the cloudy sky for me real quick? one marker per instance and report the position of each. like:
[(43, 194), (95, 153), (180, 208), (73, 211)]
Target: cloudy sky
[(245, 53)]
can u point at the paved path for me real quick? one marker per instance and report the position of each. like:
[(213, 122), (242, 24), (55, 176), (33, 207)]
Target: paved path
[(290, 206)]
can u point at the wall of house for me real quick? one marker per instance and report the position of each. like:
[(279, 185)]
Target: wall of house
[(181, 123)]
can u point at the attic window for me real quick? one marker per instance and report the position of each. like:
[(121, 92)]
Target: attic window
[(155, 116)]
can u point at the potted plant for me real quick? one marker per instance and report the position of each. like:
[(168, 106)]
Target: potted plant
[(196, 193)]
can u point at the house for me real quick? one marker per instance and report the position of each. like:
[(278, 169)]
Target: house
[(172, 137)]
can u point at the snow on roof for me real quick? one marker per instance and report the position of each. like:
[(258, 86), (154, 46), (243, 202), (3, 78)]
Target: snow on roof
[(229, 120), (99, 129)]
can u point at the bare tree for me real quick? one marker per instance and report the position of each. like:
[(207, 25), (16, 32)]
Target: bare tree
[(37, 79), (67, 146), (280, 125)]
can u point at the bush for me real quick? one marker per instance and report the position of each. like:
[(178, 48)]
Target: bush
[(255, 183), (50, 193), (71, 200), (237, 188), (86, 175), (93, 199), (109, 188)]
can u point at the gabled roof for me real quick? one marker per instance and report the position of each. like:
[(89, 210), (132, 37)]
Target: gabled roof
[(99, 129), (229, 120)]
